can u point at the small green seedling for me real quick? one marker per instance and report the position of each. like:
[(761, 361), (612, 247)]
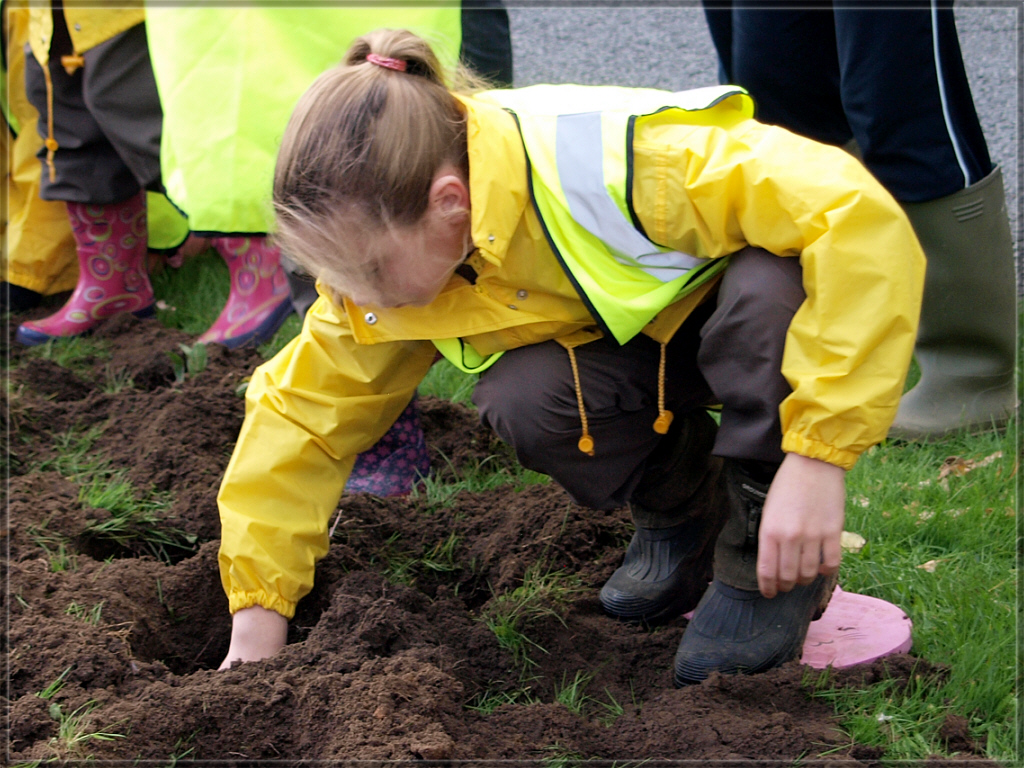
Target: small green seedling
[(51, 690), (91, 616), (190, 363), (116, 381)]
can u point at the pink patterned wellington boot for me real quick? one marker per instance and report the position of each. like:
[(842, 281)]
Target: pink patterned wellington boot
[(397, 462), (112, 277), (259, 300)]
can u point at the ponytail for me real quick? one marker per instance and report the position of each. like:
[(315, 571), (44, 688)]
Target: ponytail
[(362, 148)]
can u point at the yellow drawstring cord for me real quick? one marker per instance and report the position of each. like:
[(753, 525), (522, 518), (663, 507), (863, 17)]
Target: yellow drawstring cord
[(70, 63), (664, 420), (661, 424), (51, 143), (586, 443)]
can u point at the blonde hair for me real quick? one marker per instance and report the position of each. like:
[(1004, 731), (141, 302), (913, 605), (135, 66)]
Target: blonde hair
[(360, 152)]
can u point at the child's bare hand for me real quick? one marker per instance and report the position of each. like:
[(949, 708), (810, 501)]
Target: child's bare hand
[(256, 633), (801, 525)]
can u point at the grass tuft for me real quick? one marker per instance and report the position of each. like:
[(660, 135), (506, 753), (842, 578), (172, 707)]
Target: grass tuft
[(51, 690), (402, 567), (480, 477), (74, 731), (73, 352), (132, 521), (487, 702), (572, 694), (88, 615), (543, 593), (117, 381)]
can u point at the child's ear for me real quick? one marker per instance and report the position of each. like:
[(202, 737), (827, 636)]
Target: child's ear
[(449, 194)]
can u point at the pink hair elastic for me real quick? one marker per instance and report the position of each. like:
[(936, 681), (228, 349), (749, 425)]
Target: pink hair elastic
[(388, 63)]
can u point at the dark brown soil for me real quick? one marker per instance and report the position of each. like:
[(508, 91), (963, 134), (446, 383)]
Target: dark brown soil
[(383, 663)]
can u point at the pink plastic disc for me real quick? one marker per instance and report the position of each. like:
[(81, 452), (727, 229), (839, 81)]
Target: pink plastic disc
[(856, 629)]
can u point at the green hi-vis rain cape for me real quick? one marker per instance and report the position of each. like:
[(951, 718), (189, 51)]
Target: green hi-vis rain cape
[(229, 78), (580, 156)]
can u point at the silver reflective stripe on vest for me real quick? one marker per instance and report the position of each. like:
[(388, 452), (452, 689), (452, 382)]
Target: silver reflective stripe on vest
[(579, 152)]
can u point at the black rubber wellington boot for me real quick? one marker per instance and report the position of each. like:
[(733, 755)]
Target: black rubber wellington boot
[(735, 629), (678, 509)]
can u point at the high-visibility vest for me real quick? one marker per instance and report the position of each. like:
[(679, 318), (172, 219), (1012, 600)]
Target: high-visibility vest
[(229, 76), (580, 158)]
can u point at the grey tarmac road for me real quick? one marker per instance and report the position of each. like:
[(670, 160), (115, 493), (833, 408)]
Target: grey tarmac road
[(669, 47)]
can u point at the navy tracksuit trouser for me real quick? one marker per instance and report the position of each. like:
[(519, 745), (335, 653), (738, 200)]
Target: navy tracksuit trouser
[(890, 77)]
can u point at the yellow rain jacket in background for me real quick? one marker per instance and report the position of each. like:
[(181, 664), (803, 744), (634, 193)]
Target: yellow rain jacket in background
[(698, 189), (88, 25), (40, 252), (40, 249)]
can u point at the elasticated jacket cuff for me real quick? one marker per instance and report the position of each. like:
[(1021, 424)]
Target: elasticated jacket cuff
[(237, 601), (813, 449)]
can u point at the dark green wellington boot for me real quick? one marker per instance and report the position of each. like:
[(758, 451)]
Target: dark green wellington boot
[(735, 629), (967, 339), (678, 509)]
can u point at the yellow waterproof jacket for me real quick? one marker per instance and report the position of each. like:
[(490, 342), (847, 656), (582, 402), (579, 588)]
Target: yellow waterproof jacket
[(339, 385), (40, 249), (88, 25)]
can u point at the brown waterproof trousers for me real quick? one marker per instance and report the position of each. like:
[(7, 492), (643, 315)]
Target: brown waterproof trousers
[(729, 352)]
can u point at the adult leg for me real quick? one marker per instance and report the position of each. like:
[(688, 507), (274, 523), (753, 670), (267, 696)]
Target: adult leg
[(120, 91), (40, 249), (487, 41), (786, 57), (734, 628), (718, 15), (86, 167), (909, 104)]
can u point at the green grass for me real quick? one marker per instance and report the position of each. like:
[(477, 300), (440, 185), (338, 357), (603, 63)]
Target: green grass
[(135, 520), (572, 694), (191, 297), (75, 458), (447, 382), (942, 549), (115, 381), (88, 615), (493, 472), (402, 567), (53, 688)]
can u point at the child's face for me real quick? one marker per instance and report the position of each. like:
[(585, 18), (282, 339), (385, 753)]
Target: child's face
[(414, 265)]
